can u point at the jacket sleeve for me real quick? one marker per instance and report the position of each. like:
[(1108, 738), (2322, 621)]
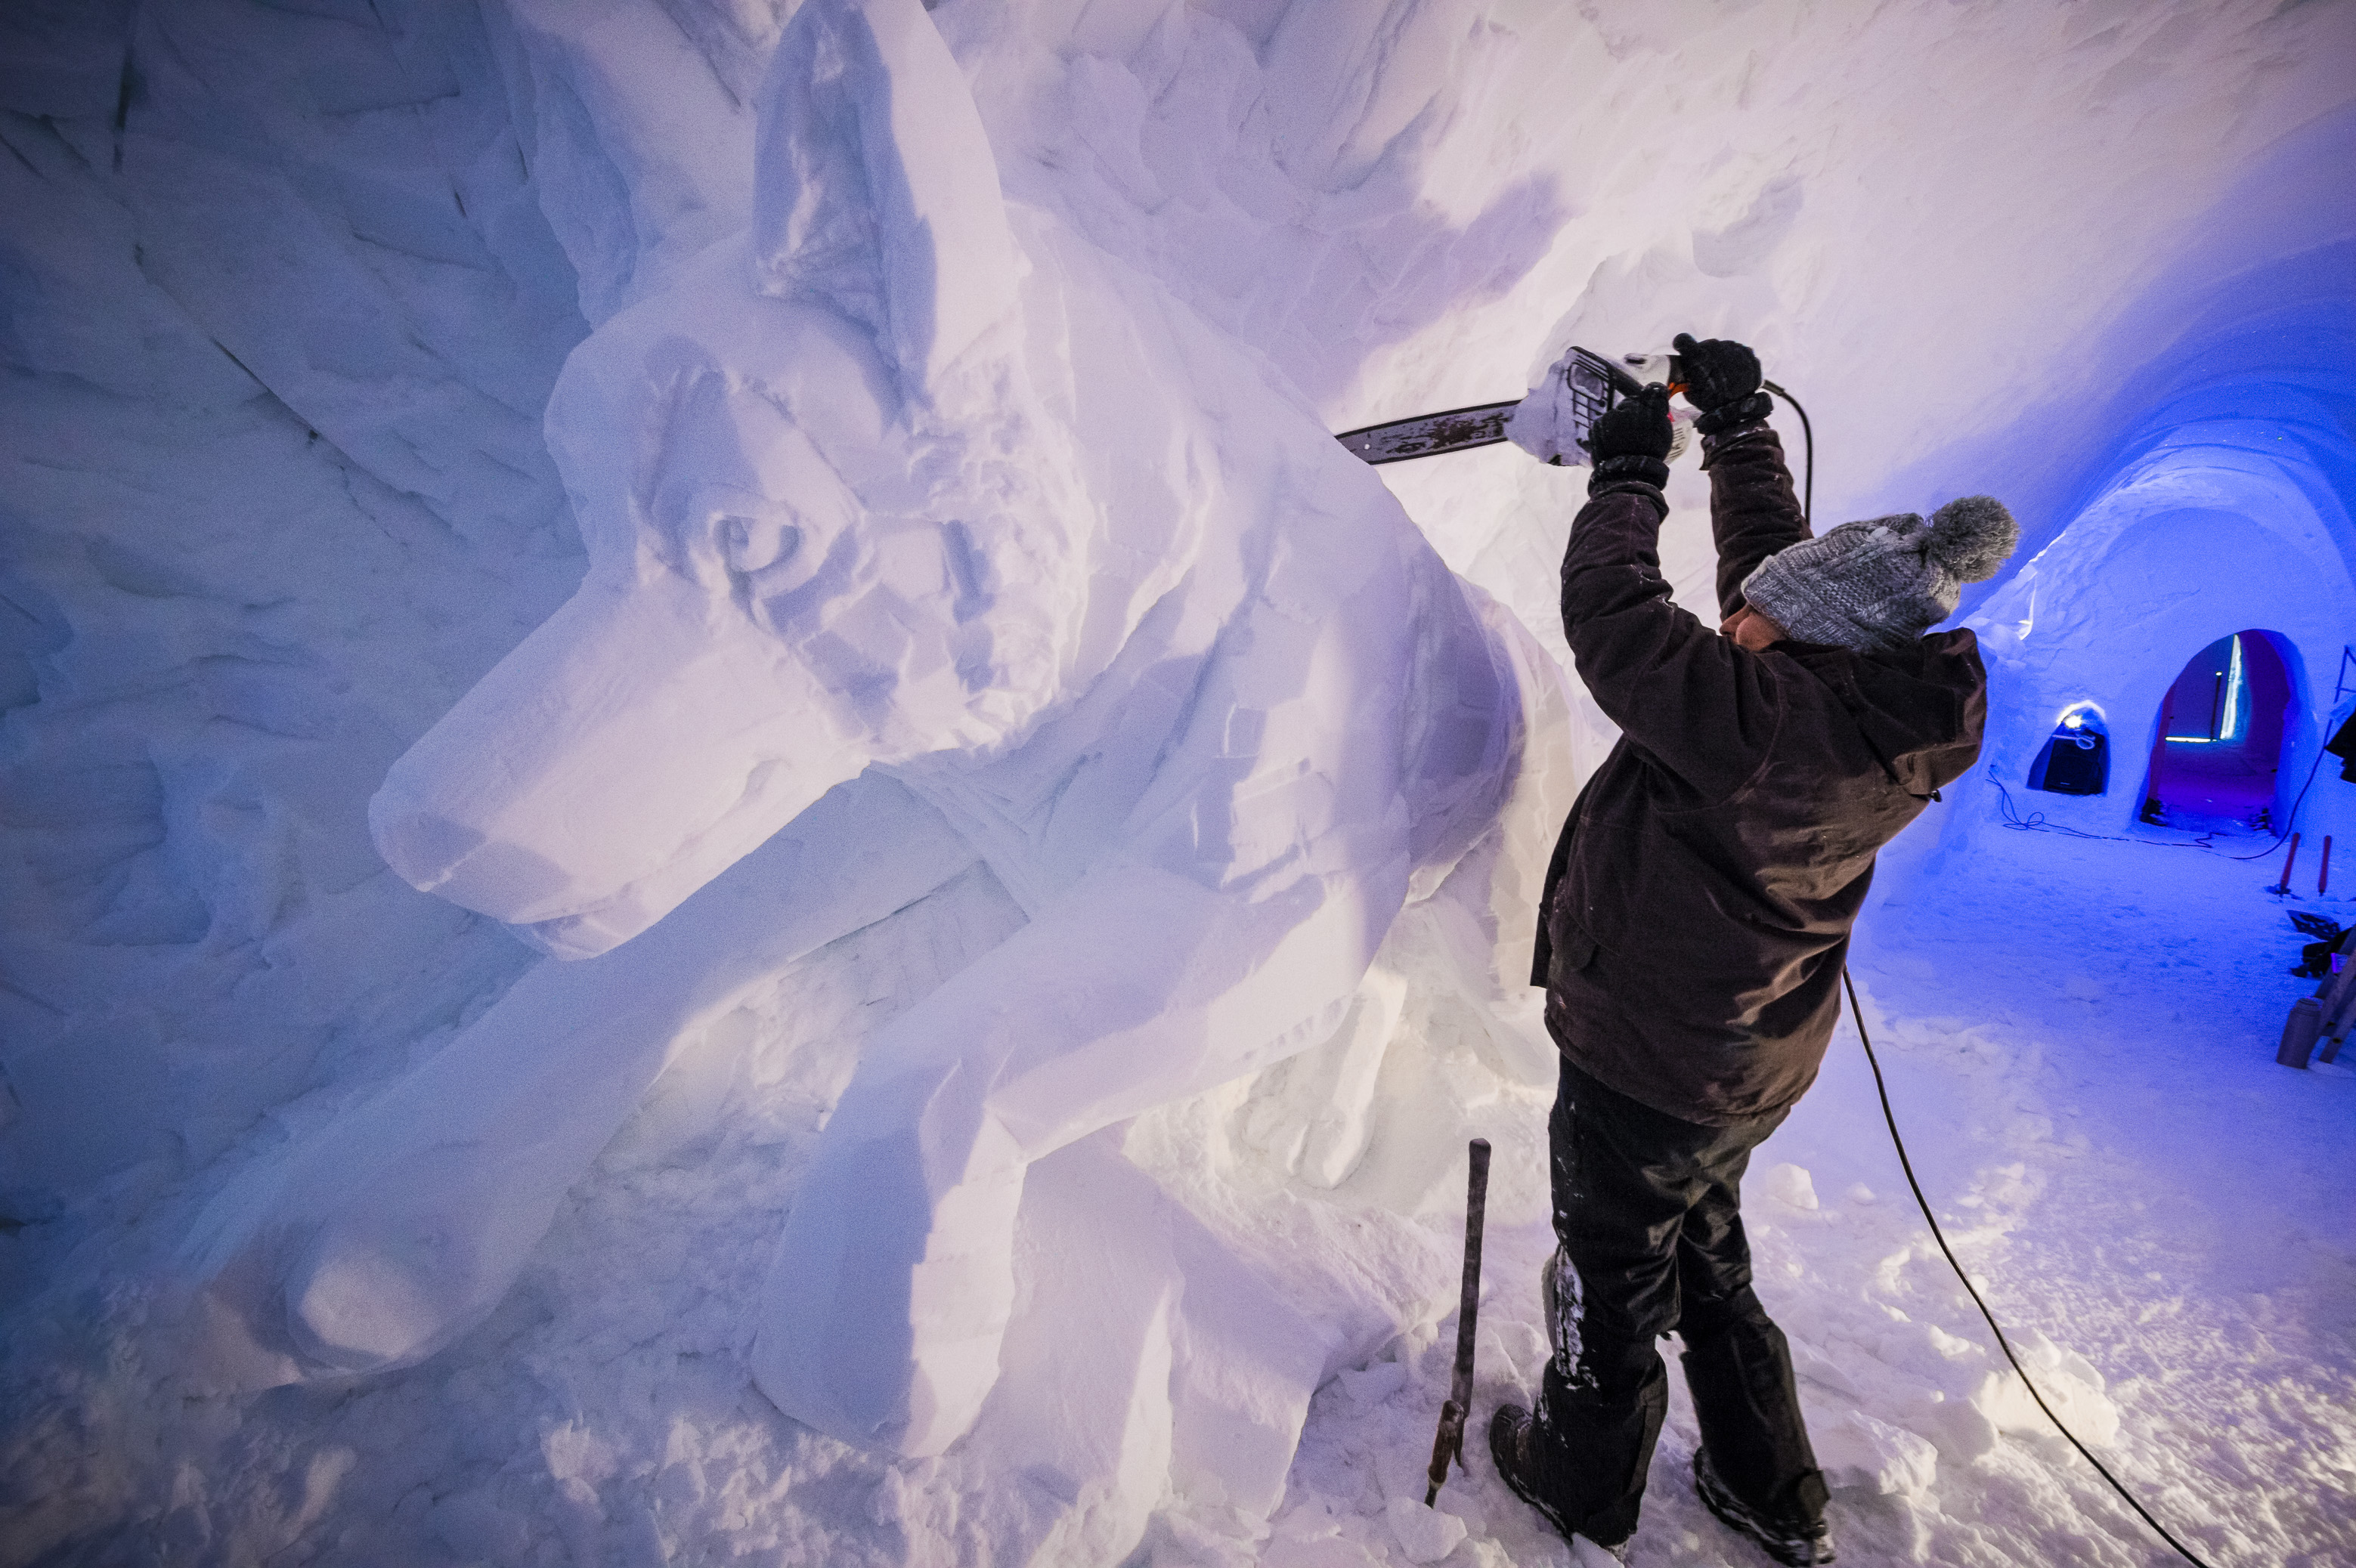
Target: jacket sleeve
[(1699, 706), (1753, 509)]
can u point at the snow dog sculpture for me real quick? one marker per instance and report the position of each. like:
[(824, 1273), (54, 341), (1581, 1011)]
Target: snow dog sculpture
[(920, 532)]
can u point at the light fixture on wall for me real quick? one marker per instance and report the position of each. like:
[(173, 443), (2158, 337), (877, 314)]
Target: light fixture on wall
[(2076, 758)]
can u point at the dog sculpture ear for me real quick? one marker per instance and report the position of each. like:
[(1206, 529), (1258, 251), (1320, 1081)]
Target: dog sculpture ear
[(875, 192)]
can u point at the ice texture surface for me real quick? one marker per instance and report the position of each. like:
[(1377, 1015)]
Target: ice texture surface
[(818, 519)]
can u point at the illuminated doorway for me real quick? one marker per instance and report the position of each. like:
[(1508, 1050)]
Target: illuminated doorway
[(2221, 735)]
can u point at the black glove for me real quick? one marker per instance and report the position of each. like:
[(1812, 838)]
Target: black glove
[(1631, 441), (1722, 382)]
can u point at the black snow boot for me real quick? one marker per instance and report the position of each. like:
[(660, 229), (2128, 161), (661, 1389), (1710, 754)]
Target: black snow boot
[(1788, 1541), (1509, 1446)]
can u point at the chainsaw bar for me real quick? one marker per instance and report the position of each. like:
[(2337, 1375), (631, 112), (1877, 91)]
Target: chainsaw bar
[(1429, 435), (1595, 382)]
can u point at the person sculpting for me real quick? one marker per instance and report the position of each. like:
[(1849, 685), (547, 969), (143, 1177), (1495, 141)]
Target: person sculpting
[(1696, 920)]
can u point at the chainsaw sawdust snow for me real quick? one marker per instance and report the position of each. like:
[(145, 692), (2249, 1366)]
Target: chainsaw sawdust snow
[(976, 870)]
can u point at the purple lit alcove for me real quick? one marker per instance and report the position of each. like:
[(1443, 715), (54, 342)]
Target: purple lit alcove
[(2221, 735)]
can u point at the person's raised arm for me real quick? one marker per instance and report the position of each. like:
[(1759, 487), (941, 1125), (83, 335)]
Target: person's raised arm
[(1753, 511), (1691, 699)]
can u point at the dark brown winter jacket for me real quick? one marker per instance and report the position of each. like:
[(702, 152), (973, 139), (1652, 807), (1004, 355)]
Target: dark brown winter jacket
[(1697, 911)]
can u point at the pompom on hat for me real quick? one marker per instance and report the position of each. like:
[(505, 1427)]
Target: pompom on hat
[(1879, 584)]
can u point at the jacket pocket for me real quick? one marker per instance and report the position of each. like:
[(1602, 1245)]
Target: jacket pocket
[(1573, 950)]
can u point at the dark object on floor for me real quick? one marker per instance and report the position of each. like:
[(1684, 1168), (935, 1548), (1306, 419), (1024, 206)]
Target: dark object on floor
[(1778, 1540), (2315, 958), (1647, 1211), (1449, 1442), (2342, 746), (2075, 760), (2325, 1018)]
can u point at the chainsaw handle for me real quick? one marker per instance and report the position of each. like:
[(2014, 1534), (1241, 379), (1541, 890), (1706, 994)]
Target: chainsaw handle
[(1627, 386)]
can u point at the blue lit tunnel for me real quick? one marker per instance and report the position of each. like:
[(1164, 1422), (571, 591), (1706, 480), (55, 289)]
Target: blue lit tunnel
[(2187, 593)]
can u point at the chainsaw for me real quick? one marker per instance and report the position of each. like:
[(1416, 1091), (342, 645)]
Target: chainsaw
[(1596, 384)]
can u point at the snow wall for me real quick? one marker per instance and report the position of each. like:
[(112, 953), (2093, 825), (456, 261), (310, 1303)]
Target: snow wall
[(288, 293)]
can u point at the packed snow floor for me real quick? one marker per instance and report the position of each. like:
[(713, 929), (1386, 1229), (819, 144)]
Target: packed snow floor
[(2078, 1038)]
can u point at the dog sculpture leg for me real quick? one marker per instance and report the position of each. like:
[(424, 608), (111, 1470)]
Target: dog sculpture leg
[(380, 1238)]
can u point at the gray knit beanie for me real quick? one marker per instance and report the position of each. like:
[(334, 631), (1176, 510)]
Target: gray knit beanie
[(1881, 583)]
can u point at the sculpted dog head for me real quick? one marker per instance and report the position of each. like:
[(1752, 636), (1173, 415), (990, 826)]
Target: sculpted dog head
[(827, 523)]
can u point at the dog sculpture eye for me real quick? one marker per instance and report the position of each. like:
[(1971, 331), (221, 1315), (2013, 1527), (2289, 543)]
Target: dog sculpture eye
[(768, 553), (751, 544), (736, 497)]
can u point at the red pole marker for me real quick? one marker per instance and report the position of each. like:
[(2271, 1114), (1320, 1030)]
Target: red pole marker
[(2284, 886), (2323, 872)]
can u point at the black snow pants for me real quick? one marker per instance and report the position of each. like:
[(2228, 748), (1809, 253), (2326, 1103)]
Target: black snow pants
[(1647, 1210)]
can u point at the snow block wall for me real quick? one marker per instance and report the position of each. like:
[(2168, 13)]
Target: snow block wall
[(726, 834), (283, 316)]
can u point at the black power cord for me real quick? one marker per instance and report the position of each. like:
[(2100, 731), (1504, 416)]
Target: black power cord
[(1857, 1016), (2036, 821), (1808, 434)]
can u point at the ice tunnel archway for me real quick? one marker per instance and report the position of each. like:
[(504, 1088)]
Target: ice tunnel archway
[(2221, 727), (2214, 532), (2191, 482)]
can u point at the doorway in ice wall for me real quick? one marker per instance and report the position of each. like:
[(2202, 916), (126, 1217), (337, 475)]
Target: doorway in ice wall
[(2220, 736)]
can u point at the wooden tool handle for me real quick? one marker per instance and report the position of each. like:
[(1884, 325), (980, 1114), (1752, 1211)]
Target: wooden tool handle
[(1448, 1442)]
